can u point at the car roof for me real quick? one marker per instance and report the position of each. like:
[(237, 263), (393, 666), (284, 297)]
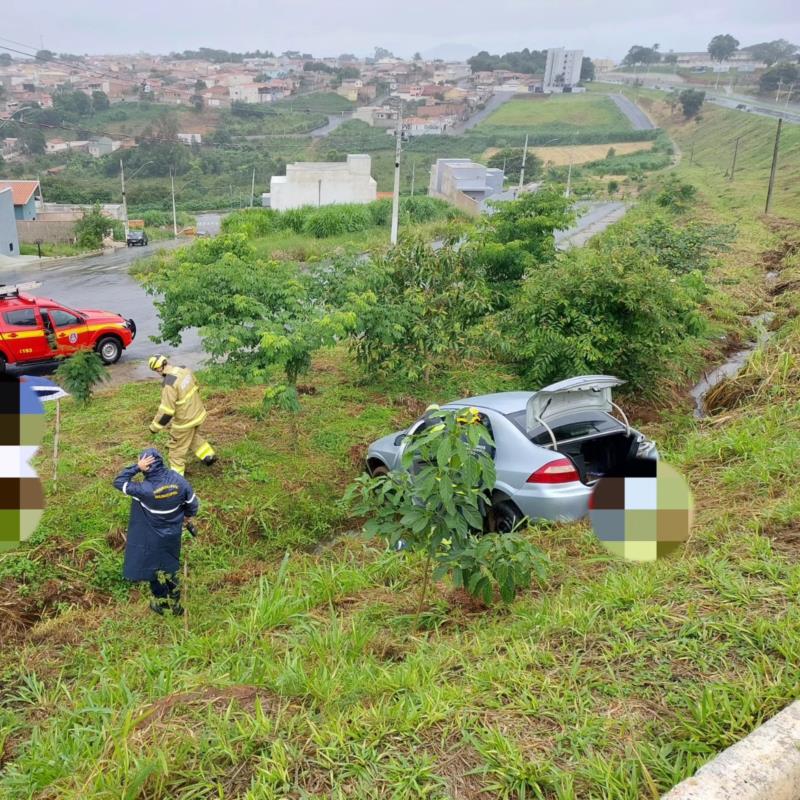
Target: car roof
[(502, 402)]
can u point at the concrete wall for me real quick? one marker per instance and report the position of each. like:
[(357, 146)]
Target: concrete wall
[(324, 183), (9, 242), (52, 232)]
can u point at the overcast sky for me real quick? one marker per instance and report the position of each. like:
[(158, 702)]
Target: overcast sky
[(331, 27)]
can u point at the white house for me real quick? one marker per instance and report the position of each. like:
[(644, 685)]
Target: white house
[(323, 183)]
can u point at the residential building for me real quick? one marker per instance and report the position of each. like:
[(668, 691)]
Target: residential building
[(102, 146), (377, 116), (323, 183), (245, 93), (61, 146), (217, 97), (422, 126), (190, 138), (350, 89), (563, 69), (23, 195), (9, 241), (742, 60), (604, 64), (464, 183)]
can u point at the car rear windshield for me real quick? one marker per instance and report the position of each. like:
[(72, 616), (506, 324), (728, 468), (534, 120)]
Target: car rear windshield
[(570, 426)]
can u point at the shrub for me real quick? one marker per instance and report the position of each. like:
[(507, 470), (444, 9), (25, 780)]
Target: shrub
[(322, 223), (611, 308), (94, 226), (675, 194), (414, 308), (679, 249), (252, 222)]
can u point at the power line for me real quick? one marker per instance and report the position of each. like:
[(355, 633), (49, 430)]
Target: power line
[(72, 65)]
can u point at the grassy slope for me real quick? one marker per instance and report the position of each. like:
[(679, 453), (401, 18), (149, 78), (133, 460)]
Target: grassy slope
[(578, 111), (612, 681)]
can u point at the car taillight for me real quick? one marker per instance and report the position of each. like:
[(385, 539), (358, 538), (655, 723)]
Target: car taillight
[(560, 471)]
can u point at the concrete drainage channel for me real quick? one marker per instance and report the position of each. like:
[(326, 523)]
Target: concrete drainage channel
[(763, 766)]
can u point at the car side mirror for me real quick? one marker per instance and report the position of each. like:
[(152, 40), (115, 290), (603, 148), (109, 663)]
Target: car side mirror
[(398, 440)]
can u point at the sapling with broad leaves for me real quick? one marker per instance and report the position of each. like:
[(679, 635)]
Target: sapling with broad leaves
[(436, 505)]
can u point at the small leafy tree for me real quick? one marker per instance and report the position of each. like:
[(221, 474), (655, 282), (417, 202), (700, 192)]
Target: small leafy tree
[(691, 101), (509, 159), (434, 505), (93, 226), (81, 373), (414, 307), (254, 316)]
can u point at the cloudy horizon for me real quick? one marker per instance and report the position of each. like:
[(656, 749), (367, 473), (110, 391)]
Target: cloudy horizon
[(355, 26)]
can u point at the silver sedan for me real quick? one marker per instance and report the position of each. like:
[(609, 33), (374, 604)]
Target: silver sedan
[(551, 447)]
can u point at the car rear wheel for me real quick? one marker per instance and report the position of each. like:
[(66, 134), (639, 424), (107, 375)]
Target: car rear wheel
[(110, 349), (376, 472), (503, 517)]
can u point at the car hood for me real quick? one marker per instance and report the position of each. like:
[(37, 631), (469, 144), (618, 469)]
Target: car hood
[(582, 393), (98, 315)]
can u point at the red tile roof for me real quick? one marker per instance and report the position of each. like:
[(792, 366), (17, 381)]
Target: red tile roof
[(21, 191)]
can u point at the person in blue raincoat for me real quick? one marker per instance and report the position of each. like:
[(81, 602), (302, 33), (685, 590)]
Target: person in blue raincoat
[(161, 504)]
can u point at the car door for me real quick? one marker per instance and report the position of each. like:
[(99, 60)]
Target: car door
[(70, 329), (23, 336)]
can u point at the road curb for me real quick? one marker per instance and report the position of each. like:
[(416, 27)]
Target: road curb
[(763, 766)]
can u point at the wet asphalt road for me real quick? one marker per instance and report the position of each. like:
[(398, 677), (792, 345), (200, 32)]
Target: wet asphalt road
[(637, 117), (103, 282)]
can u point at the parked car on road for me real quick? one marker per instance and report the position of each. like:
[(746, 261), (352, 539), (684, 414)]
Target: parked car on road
[(137, 238), (38, 331), (551, 447)]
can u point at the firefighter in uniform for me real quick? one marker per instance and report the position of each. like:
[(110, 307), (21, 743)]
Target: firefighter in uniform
[(182, 409)]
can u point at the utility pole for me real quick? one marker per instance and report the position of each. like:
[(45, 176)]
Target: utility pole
[(319, 193), (778, 92), (735, 151), (124, 200), (253, 188), (413, 170), (174, 214), (569, 177), (522, 169), (774, 166), (396, 193)]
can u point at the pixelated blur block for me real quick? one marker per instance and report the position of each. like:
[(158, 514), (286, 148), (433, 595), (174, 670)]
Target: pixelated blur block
[(642, 518), (21, 430)]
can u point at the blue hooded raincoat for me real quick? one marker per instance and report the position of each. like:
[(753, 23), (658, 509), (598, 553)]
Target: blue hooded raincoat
[(158, 508)]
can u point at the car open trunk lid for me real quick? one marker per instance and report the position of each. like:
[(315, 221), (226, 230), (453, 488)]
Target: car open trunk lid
[(582, 393)]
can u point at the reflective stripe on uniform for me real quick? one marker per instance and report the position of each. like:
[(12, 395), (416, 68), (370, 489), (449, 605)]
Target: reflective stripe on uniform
[(192, 423), (154, 511), (188, 395), (204, 451), (167, 409)]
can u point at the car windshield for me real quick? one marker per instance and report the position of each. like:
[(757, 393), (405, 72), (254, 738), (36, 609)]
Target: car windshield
[(571, 426)]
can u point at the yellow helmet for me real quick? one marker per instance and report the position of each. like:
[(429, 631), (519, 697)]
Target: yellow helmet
[(157, 361)]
